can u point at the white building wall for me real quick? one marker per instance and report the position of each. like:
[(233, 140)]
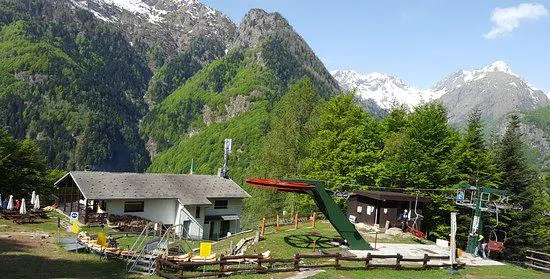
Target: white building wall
[(157, 210), (234, 207), (196, 226)]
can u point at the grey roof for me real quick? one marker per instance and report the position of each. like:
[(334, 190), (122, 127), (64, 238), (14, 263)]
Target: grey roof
[(188, 189)]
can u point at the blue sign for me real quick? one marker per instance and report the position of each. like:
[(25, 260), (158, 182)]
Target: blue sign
[(74, 215), (460, 196)]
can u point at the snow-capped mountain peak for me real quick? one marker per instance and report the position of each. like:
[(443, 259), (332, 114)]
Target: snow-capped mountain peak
[(387, 91), (498, 66)]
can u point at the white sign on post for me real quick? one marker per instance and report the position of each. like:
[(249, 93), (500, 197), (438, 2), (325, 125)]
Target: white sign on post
[(475, 224), (452, 251), (73, 217)]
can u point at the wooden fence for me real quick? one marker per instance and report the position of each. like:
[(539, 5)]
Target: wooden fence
[(278, 221), (538, 260), (228, 265)]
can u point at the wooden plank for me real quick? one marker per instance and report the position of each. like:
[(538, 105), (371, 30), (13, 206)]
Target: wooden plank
[(310, 256), (317, 265), (353, 259), (412, 260), (272, 260), (200, 274), (537, 260), (384, 256), (537, 252), (237, 257), (537, 267)]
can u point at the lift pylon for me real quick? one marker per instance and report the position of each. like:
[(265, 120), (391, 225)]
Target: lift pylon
[(316, 189)]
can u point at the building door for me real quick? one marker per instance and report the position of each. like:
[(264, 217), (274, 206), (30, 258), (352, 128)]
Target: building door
[(224, 228), (213, 235)]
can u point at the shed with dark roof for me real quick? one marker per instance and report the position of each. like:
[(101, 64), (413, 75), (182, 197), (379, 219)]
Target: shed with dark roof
[(375, 208)]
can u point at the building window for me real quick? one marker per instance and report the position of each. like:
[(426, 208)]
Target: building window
[(133, 206), (222, 204), (197, 212)]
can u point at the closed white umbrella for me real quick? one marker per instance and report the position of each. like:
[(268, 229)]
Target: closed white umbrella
[(0, 200), (33, 196), (10, 203), (36, 202), (23, 207)]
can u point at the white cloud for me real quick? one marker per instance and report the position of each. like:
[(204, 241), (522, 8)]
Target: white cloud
[(507, 19)]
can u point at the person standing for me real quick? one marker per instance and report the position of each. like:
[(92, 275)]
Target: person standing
[(480, 245), (17, 204)]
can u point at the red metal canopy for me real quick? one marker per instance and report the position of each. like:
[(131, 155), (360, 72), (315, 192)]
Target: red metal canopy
[(279, 185)]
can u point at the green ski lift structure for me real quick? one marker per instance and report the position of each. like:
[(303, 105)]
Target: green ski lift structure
[(482, 199), (317, 190)]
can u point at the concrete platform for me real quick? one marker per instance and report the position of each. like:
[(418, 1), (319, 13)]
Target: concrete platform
[(469, 259), (418, 251)]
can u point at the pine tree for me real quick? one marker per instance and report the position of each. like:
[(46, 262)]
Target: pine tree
[(473, 159), (514, 171)]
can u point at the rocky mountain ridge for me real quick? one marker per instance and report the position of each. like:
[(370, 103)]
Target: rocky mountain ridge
[(494, 89), (170, 25)]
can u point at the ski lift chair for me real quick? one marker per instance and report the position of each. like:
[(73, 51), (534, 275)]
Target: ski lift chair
[(413, 229), (494, 244)]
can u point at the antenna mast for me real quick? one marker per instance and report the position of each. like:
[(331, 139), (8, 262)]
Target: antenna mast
[(227, 148)]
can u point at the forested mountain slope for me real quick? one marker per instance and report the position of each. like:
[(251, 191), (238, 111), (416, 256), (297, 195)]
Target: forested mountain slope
[(254, 74), (73, 84)]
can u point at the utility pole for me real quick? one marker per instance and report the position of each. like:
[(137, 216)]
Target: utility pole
[(479, 199)]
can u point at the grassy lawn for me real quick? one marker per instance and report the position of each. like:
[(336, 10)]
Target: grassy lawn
[(30, 251), (287, 241)]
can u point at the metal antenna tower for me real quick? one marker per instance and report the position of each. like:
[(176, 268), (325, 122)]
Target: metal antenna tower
[(227, 148)]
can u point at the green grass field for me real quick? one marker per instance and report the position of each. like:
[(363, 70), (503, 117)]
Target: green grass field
[(25, 254)]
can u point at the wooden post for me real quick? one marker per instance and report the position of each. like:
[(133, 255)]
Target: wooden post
[(314, 215), (222, 261), (425, 262), (262, 228), (259, 267), (367, 261), (297, 262), (296, 221), (398, 261), (277, 224), (337, 261)]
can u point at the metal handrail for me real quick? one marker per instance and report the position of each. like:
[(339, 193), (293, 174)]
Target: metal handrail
[(138, 245)]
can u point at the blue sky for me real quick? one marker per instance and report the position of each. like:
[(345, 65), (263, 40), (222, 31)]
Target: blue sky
[(418, 41)]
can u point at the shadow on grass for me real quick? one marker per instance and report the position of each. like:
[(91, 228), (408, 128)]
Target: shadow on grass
[(18, 261), (11, 245), (307, 241)]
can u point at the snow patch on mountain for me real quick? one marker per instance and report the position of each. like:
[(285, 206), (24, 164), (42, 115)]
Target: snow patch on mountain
[(152, 12), (386, 91)]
